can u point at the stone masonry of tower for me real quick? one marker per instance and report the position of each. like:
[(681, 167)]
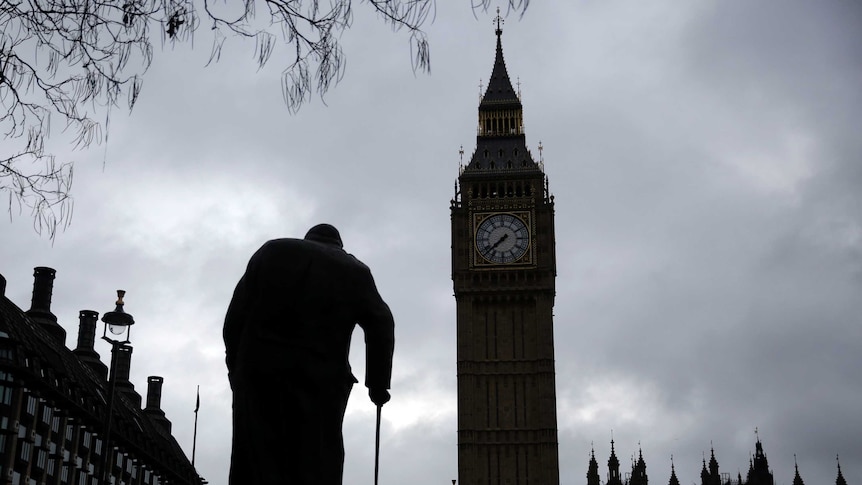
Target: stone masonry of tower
[(503, 272)]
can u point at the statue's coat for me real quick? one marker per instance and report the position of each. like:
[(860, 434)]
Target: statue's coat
[(287, 336)]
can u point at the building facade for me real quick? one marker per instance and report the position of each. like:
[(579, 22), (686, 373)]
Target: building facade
[(503, 272), (61, 422)]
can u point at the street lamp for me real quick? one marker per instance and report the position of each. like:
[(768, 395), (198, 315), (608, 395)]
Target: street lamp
[(118, 324)]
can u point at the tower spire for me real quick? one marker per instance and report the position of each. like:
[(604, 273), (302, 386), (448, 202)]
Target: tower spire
[(500, 93), (501, 144)]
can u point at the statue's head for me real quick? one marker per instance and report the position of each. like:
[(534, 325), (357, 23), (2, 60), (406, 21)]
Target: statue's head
[(324, 233)]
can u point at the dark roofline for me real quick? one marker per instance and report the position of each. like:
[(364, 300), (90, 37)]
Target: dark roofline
[(58, 376)]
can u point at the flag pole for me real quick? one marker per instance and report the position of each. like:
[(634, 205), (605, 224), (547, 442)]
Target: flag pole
[(195, 437)]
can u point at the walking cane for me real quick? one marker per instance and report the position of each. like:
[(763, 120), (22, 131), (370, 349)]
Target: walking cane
[(377, 445)]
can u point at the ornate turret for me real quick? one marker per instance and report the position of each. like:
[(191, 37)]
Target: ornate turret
[(714, 477), (639, 476), (593, 470), (759, 472), (613, 467)]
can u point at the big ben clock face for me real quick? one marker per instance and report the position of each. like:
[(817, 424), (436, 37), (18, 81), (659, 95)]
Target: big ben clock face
[(502, 238)]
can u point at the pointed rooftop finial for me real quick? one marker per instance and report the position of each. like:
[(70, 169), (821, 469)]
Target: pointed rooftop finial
[(461, 152), (673, 479), (797, 479), (500, 21)]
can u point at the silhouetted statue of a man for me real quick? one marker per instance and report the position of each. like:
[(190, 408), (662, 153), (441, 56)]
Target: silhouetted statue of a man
[(287, 335)]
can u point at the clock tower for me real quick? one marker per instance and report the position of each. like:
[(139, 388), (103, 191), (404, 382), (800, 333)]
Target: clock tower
[(503, 272)]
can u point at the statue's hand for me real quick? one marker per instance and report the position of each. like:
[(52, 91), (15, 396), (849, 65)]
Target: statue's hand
[(379, 396)]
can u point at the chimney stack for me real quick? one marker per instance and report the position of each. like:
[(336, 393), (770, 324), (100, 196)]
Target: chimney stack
[(40, 307), (154, 403), (86, 351), (154, 393), (123, 360)]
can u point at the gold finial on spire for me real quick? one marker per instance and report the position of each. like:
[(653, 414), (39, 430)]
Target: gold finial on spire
[(500, 21), (480, 89), (519, 87)]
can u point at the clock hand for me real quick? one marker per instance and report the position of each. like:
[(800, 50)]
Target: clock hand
[(494, 246)]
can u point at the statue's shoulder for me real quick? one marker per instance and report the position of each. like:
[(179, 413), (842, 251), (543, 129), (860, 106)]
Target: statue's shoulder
[(359, 263), (284, 248), (285, 241)]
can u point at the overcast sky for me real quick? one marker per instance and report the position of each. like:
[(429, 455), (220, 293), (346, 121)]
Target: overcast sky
[(706, 161)]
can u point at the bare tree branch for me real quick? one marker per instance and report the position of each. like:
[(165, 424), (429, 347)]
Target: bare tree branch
[(67, 61)]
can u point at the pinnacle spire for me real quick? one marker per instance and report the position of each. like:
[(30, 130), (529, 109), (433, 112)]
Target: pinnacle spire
[(593, 469), (840, 479), (673, 479), (613, 467), (797, 480), (500, 92)]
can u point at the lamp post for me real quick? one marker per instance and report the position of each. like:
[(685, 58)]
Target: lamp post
[(118, 324)]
